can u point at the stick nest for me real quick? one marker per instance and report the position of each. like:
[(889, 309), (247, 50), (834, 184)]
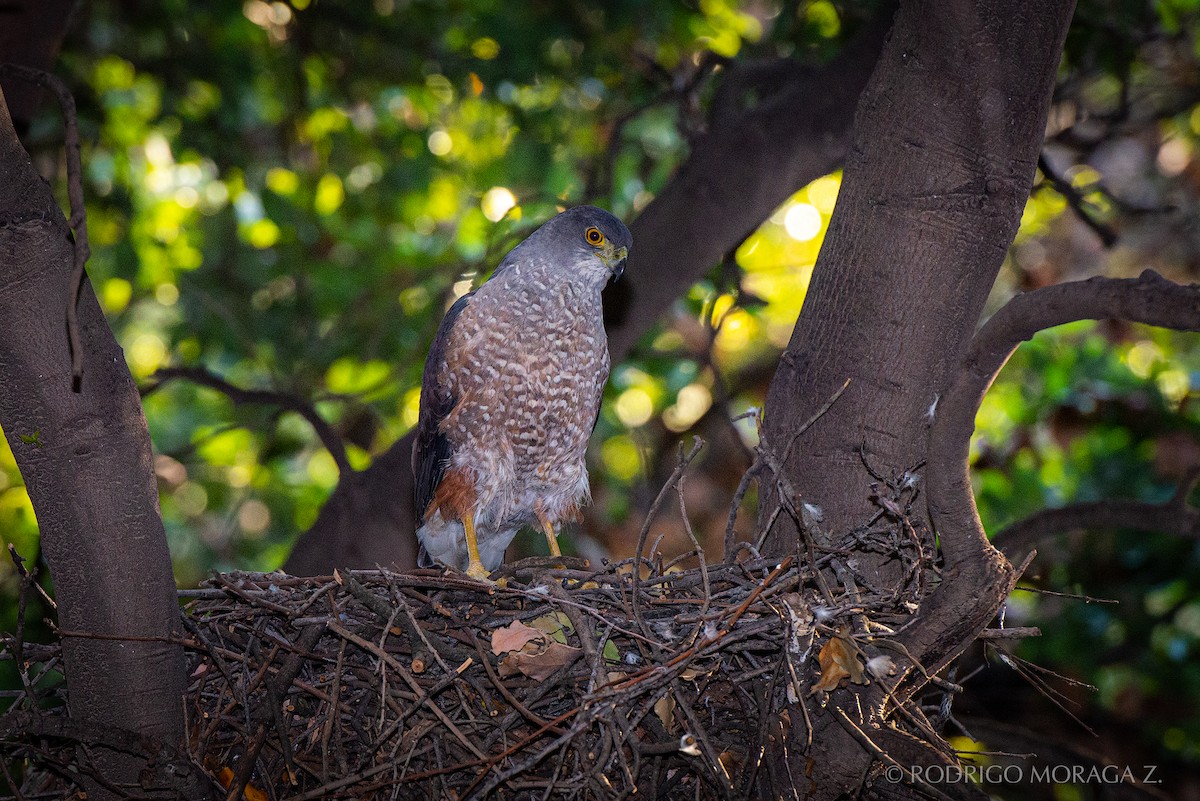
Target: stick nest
[(561, 682)]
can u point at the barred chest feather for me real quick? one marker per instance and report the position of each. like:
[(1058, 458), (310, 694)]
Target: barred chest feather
[(528, 365)]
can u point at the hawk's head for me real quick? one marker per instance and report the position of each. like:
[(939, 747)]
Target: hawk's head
[(584, 242)]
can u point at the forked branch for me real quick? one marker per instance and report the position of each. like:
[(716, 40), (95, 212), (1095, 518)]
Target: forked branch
[(1149, 299), (969, 557), (288, 401)]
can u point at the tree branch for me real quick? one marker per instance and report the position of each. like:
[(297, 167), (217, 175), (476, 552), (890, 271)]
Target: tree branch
[(1149, 299), (164, 768), (969, 556), (288, 401), (85, 457), (1173, 517), (1108, 237)]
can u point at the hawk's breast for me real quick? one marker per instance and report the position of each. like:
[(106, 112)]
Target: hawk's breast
[(528, 369)]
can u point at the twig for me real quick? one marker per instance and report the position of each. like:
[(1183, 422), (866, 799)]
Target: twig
[(276, 689), (423, 697), (736, 504), (12, 784), (1013, 633), (1087, 599), (684, 461), (817, 415), (1025, 670), (865, 740), (687, 527), (1078, 203)]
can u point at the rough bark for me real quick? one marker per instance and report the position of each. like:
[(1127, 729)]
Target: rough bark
[(753, 157), (946, 141), (86, 461)]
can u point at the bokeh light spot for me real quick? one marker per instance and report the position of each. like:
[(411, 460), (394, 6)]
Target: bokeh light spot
[(330, 194), (166, 294), (115, 295), (1142, 357), (496, 203), (823, 192), (802, 222), (485, 48), (146, 354), (440, 143), (621, 457), (411, 407), (282, 181), (634, 407), (191, 499), (254, 517), (262, 234), (691, 404)]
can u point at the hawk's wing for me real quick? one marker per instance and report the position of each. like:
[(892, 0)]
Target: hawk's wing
[(431, 449)]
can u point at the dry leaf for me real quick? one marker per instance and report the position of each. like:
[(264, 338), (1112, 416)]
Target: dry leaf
[(693, 673), (514, 637), (541, 665), (556, 624), (665, 709), (839, 660)]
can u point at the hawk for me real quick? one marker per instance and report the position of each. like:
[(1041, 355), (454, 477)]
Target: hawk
[(511, 393)]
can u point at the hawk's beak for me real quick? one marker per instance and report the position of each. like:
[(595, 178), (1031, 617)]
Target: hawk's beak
[(615, 261)]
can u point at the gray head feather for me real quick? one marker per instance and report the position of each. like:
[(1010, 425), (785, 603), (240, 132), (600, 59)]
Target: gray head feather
[(563, 243)]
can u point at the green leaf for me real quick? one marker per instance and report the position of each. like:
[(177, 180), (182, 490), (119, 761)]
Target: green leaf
[(34, 439)]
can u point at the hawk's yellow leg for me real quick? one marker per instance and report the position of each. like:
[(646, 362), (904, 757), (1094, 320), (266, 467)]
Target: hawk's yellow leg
[(548, 529), (475, 568)]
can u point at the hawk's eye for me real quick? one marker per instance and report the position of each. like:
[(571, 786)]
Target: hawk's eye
[(594, 237)]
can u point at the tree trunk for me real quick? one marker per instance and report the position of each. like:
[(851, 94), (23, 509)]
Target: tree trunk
[(944, 151), (85, 457)]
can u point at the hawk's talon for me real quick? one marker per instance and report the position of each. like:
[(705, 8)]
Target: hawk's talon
[(477, 571)]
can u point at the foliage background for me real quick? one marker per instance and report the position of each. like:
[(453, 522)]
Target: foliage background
[(290, 194)]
